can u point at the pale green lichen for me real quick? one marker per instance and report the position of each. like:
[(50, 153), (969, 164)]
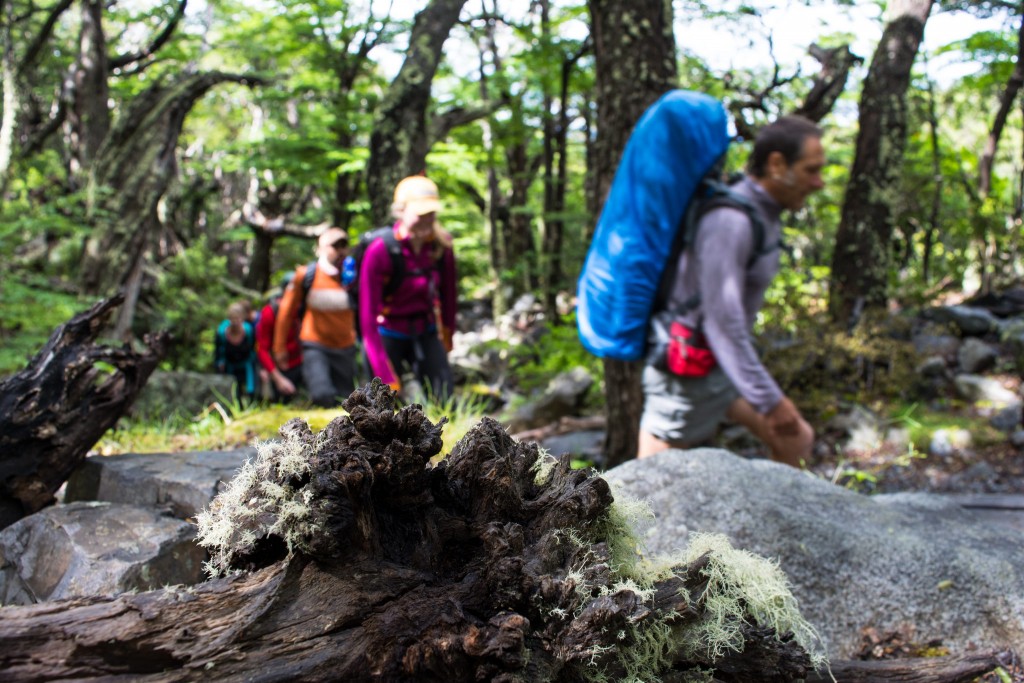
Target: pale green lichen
[(743, 588), (258, 502)]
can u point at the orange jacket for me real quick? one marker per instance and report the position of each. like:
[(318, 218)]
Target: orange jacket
[(328, 321)]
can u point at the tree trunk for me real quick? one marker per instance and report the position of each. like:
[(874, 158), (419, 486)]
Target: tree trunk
[(935, 212), (634, 50), (1009, 96), (135, 167), (399, 142), (860, 262), (52, 412), (496, 564), (88, 115), (830, 82)]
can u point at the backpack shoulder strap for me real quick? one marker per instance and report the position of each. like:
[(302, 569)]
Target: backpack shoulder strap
[(711, 194), (307, 278), (724, 196), (394, 248)]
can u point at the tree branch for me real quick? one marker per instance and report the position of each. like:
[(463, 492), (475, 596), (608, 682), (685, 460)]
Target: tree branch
[(158, 42)]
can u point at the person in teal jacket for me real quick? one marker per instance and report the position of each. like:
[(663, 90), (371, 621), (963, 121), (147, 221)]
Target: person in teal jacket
[(235, 351)]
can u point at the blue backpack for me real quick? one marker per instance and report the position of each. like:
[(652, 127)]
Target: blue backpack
[(667, 178)]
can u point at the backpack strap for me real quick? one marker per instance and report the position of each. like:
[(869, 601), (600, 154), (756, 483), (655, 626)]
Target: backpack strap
[(711, 194), (394, 248)]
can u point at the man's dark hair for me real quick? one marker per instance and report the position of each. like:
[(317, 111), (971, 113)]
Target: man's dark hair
[(787, 135)]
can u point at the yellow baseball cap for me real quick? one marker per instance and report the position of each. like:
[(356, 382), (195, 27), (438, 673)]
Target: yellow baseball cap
[(418, 193)]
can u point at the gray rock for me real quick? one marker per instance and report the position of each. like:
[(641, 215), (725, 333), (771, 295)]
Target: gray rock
[(932, 367), (184, 483), (946, 442), (89, 549), (976, 356), (564, 396), (585, 444), (969, 320), (853, 561), (1012, 334), (1008, 419), (187, 393), (862, 426), (978, 389), (944, 346)]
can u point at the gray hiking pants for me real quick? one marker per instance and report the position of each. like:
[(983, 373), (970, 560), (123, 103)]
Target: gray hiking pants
[(329, 373)]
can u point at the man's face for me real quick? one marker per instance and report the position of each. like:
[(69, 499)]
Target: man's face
[(791, 185), (336, 252)]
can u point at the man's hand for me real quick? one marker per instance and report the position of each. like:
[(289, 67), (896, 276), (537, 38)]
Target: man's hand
[(784, 418), (283, 384)]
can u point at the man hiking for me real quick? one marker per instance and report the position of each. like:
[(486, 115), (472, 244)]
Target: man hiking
[(718, 290)]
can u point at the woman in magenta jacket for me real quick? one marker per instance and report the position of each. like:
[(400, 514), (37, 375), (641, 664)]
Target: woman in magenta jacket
[(411, 328)]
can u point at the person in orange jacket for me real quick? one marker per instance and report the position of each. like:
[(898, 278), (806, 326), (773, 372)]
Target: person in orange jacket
[(327, 332)]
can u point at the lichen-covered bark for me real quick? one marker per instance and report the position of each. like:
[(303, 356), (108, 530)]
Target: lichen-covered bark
[(54, 411), (635, 55), (400, 142), (88, 116), (860, 262), (498, 564)]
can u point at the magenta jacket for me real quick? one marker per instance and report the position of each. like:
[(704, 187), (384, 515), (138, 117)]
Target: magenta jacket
[(428, 283)]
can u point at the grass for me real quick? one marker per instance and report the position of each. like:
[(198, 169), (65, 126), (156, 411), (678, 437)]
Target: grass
[(922, 424), (229, 425)]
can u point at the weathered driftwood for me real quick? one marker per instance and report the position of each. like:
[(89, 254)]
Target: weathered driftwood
[(54, 411), (952, 669), (478, 568)]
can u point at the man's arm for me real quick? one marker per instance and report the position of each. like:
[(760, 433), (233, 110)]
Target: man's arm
[(723, 247)]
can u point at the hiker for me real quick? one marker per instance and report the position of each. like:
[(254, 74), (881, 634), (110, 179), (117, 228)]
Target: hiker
[(327, 324), (410, 328), (718, 272), (234, 350), (284, 379)]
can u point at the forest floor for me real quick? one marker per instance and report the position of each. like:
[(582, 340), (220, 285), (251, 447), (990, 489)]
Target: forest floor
[(985, 467)]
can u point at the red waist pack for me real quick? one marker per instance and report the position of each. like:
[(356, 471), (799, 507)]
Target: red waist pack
[(679, 349)]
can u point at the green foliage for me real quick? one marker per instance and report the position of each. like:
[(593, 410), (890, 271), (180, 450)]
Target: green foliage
[(32, 309), (557, 350), (825, 366), (190, 300), (922, 423)]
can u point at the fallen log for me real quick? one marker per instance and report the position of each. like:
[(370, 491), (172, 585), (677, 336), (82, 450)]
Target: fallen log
[(950, 669), (345, 555), (54, 411)]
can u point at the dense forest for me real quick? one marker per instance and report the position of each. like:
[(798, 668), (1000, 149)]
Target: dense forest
[(186, 153)]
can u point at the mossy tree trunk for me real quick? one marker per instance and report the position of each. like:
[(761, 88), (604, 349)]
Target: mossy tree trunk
[(860, 263), (54, 411), (635, 55), (132, 173), (400, 139)]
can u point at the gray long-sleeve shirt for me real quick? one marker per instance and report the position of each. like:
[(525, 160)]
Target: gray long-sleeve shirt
[(731, 293)]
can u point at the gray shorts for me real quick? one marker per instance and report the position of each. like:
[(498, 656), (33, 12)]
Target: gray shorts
[(683, 411)]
